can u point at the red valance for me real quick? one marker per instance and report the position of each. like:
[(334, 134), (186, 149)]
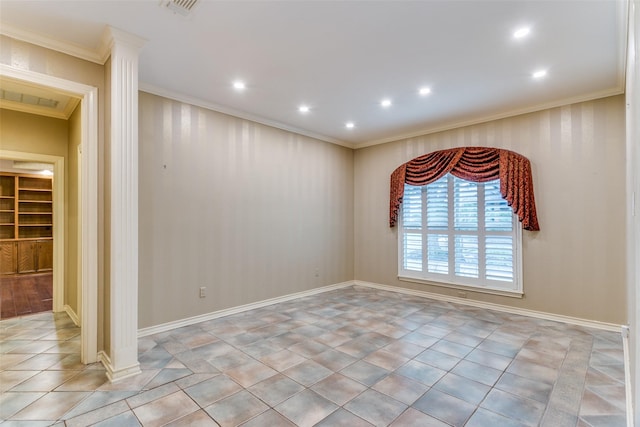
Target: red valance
[(478, 164)]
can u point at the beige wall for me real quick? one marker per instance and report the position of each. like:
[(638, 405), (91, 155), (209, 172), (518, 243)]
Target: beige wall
[(574, 266), (249, 211), (73, 213), (30, 133)]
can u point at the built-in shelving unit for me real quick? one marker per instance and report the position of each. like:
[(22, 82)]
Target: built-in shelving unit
[(26, 223)]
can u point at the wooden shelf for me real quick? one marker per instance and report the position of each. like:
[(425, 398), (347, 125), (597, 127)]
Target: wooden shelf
[(34, 201), (26, 207)]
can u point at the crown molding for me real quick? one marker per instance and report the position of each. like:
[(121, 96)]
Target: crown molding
[(51, 43), (165, 93), (618, 90), (110, 36)]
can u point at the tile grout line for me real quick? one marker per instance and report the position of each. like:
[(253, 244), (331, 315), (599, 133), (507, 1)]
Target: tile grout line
[(566, 395)]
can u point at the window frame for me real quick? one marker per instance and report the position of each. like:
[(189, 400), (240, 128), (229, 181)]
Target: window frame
[(450, 280)]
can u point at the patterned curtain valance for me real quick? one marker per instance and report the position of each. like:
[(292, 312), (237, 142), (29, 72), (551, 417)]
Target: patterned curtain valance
[(478, 164)]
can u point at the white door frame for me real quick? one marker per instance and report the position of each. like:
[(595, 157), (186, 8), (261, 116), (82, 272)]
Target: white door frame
[(88, 281)]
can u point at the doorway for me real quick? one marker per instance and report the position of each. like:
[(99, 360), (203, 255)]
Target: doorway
[(87, 290), (26, 225)]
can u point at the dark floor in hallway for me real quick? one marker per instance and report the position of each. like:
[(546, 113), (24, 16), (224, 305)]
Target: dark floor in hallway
[(23, 294)]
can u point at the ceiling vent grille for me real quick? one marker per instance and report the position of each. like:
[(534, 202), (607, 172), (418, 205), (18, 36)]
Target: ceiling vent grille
[(181, 7), (24, 98)]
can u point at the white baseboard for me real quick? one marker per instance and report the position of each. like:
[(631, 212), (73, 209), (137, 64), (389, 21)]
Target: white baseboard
[(497, 307), (120, 374), (627, 375), (234, 310), (143, 332), (72, 314)]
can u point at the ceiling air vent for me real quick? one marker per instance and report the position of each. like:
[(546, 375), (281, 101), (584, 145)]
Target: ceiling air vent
[(24, 98), (181, 7)]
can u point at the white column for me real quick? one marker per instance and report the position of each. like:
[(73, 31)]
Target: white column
[(123, 181)]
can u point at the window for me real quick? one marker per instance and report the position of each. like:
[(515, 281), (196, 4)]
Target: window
[(460, 233)]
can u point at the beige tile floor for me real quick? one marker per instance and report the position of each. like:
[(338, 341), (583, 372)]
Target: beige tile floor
[(351, 357)]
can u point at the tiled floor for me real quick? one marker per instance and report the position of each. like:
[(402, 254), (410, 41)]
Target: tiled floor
[(351, 357)]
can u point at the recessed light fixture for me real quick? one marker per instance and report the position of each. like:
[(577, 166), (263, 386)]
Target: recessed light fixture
[(385, 103), (521, 32), (304, 108), (424, 91), (239, 85), (349, 125), (539, 74)]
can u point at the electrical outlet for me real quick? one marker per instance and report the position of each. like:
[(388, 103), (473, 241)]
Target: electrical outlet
[(317, 273), (203, 292)]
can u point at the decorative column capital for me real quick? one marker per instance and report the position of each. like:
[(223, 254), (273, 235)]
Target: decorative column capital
[(114, 38)]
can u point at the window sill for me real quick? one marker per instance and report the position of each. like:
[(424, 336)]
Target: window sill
[(501, 292)]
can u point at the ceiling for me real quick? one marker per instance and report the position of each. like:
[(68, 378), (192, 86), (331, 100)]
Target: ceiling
[(342, 58), (19, 96)]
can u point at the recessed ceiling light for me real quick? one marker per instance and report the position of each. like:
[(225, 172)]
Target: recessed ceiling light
[(349, 125), (424, 91), (539, 74), (239, 85), (521, 32), (303, 108), (385, 103)]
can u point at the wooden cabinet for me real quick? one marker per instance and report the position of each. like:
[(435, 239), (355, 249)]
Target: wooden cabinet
[(27, 256), (45, 255), (34, 256), (26, 223), (8, 257)]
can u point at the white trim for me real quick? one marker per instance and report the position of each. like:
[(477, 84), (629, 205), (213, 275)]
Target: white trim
[(123, 175), (497, 307), (164, 327), (79, 234), (58, 217), (469, 288), (72, 314), (89, 121), (88, 198), (627, 375), (113, 374), (165, 93)]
